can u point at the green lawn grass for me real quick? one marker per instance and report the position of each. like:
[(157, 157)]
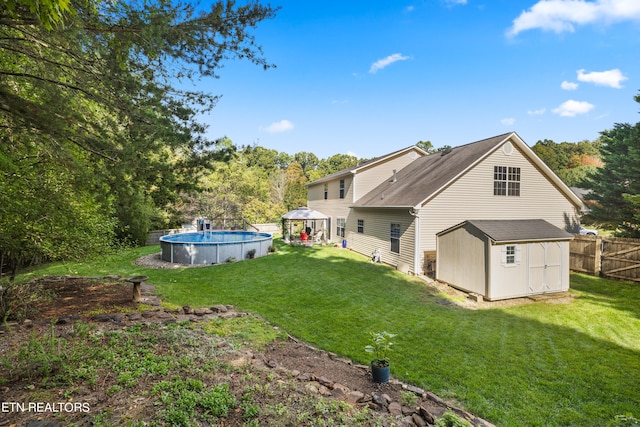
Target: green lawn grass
[(539, 364)]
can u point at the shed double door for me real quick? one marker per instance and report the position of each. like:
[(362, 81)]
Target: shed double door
[(545, 272)]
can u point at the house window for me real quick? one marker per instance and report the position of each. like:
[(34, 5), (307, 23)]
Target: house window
[(395, 238), (340, 227), (326, 191), (361, 226), (342, 188), (510, 255), (506, 181)]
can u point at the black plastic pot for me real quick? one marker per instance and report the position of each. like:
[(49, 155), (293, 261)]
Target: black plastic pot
[(380, 374)]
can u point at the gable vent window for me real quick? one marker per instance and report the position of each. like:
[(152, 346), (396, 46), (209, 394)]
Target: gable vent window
[(506, 181)]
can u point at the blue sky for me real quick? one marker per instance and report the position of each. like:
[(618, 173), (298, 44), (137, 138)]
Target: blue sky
[(370, 77)]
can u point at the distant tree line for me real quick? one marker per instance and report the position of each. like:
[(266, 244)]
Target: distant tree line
[(257, 184)]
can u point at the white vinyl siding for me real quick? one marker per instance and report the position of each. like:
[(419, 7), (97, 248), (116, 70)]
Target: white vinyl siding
[(471, 197), (376, 234), (370, 178), (334, 207)]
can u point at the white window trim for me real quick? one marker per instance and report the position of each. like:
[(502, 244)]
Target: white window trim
[(504, 255)]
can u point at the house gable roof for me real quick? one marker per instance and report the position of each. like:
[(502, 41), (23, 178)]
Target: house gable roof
[(516, 230), (366, 165), (427, 176)]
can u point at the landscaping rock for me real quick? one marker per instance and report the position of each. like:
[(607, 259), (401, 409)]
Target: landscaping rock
[(101, 318), (379, 400), (117, 317), (426, 415), (395, 409), (162, 315), (419, 421), (414, 389), (325, 382), (355, 397), (134, 316), (220, 308)]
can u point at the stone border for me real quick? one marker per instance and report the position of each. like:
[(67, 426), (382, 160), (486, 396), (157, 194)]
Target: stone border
[(382, 402)]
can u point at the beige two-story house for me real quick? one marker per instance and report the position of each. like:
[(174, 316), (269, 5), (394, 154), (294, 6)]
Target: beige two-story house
[(396, 204)]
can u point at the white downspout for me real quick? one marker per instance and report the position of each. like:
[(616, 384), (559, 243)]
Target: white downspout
[(416, 241)]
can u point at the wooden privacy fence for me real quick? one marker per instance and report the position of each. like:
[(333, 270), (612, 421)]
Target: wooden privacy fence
[(608, 257)]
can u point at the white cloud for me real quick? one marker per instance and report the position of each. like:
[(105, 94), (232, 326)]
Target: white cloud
[(509, 121), (385, 62), (563, 15), (569, 85), (340, 101), (611, 78), (538, 112), (572, 108), (455, 2), (279, 127)]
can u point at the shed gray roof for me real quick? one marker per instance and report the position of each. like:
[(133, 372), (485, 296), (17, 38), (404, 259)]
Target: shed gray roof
[(426, 175), (516, 230)]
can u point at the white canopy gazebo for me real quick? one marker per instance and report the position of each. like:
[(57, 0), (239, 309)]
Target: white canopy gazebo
[(309, 219)]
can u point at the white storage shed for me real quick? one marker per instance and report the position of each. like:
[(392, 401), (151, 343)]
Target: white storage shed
[(500, 259)]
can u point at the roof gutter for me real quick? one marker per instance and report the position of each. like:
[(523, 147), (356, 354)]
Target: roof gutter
[(548, 239)]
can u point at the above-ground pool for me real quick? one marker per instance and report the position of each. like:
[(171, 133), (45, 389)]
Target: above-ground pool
[(214, 247)]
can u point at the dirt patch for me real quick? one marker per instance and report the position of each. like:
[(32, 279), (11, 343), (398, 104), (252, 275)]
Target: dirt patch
[(78, 296), (106, 303)]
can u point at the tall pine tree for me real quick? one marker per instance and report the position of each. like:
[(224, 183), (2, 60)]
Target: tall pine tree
[(616, 186)]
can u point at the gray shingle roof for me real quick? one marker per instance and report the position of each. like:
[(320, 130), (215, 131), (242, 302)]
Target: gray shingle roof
[(423, 177), (353, 169), (517, 230)]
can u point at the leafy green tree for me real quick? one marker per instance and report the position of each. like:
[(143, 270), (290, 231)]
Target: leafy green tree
[(47, 210), (295, 193), (616, 186), (572, 162), (95, 94), (425, 145), (307, 161), (48, 13), (552, 154)]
